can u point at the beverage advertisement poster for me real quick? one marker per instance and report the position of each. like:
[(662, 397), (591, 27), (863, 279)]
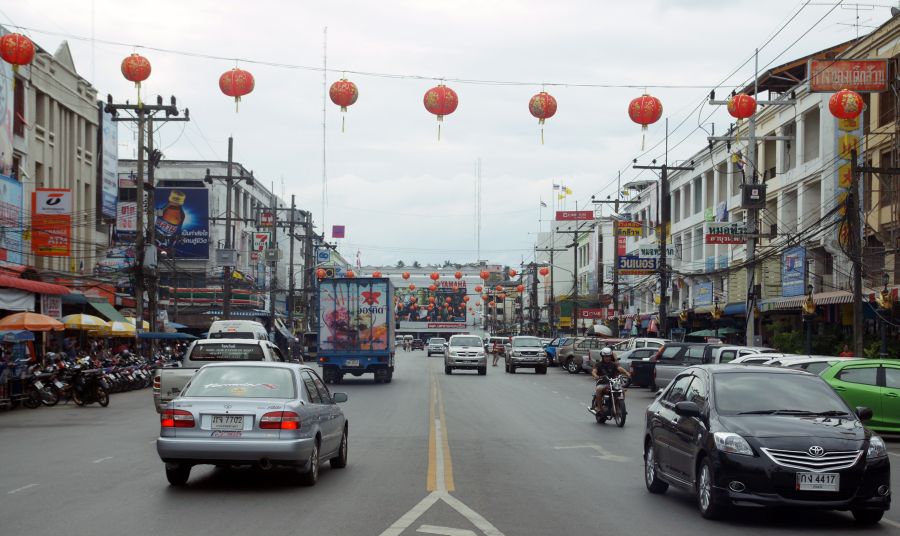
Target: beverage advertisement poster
[(355, 315), (10, 220), (182, 221), (51, 222)]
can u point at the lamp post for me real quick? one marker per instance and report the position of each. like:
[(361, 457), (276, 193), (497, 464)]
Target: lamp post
[(887, 306), (809, 315)]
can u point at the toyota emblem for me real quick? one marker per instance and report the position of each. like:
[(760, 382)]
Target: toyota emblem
[(816, 451), (228, 406)]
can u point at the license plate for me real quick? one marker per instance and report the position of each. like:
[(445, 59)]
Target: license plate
[(38, 385), (818, 481), (352, 362), (227, 422), (59, 385)]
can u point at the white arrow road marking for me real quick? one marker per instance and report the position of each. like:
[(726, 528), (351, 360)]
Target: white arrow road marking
[(23, 488), (602, 453), (100, 460), (407, 519), (444, 531)]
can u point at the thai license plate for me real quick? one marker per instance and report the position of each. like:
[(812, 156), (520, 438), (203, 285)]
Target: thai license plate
[(818, 481), (227, 422), (352, 362), (59, 385), (38, 385)]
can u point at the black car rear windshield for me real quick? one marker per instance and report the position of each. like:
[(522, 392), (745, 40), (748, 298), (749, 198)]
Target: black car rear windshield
[(767, 393), (227, 352)]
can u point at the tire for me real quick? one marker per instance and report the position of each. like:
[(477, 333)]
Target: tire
[(620, 414), (651, 475), (540, 370), (340, 461), (102, 397), (32, 398), (482, 371), (447, 370), (709, 506), (76, 397), (389, 377), (506, 368), (178, 474), (512, 369), (572, 367), (52, 396), (310, 477), (867, 517)]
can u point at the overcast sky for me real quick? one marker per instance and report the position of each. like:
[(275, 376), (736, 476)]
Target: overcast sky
[(401, 193)]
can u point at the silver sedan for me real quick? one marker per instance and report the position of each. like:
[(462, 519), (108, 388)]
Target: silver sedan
[(262, 414)]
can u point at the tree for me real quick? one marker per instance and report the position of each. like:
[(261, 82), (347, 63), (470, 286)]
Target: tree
[(401, 264)]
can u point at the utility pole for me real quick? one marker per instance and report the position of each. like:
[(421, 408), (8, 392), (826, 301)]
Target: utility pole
[(615, 281), (274, 282), (153, 275), (140, 114), (290, 296), (309, 267)]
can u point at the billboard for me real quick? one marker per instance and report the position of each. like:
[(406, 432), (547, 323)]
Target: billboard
[(51, 222), (355, 315), (109, 187), (10, 220), (793, 271), (629, 228), (830, 76), (448, 306), (182, 221), (725, 233), (126, 220)]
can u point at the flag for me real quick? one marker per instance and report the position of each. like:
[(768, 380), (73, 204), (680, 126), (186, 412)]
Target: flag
[(561, 196), (235, 274), (543, 204), (337, 231), (567, 190)]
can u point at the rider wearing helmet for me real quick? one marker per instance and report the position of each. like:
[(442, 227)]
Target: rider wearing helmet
[(604, 369)]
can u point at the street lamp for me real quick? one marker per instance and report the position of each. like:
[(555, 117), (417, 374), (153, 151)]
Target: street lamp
[(809, 314), (887, 305)]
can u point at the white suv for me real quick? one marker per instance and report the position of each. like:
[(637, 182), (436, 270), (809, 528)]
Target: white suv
[(465, 352), (436, 345)]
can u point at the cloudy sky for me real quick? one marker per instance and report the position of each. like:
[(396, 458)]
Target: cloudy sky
[(402, 193)]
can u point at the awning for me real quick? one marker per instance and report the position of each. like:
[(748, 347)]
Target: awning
[(107, 310), (74, 298), (251, 313), (38, 287), (735, 309), (794, 302), (175, 325)]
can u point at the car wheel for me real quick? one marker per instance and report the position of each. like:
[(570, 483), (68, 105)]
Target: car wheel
[(541, 370), (572, 366), (867, 517), (512, 369), (178, 473), (310, 477), (651, 477), (447, 370), (706, 497), (340, 461)]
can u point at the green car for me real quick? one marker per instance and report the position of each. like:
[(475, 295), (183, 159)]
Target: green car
[(873, 383)]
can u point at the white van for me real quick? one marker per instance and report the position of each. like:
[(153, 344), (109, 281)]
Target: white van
[(238, 329)]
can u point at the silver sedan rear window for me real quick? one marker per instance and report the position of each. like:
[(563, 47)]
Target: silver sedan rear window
[(242, 382)]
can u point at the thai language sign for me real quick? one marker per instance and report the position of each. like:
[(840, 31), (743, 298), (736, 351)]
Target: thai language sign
[(634, 265), (574, 215), (829, 76), (182, 221), (793, 271), (629, 228), (651, 251), (110, 165), (51, 222), (725, 233)]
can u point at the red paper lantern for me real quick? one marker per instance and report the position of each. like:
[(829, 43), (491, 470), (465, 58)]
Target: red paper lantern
[(431, 299), (350, 274), (846, 104), (414, 307), (492, 303), (432, 288), (236, 83), (458, 275), (466, 298), (478, 288), (343, 93), (542, 106), (645, 110), (376, 274), (485, 274), (498, 288), (441, 100), (321, 273), (502, 295), (431, 307), (544, 271), (484, 297), (136, 68), (512, 273), (741, 106), (520, 288), (16, 49), (405, 275), (435, 276), (412, 287)]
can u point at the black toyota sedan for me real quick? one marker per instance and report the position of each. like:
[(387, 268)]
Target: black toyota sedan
[(748, 435)]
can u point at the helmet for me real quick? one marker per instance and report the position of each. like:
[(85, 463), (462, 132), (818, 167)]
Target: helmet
[(606, 352)]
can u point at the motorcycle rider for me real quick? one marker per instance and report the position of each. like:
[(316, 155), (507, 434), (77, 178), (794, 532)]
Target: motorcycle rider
[(604, 369)]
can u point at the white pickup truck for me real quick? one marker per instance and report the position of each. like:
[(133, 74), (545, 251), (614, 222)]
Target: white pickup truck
[(168, 382)]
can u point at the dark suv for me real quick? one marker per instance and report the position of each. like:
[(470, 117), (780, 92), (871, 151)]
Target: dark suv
[(765, 436)]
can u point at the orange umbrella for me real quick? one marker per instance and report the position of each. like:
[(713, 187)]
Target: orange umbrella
[(31, 322)]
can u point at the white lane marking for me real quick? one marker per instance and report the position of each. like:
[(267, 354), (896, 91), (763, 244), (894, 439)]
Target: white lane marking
[(23, 488), (894, 454), (602, 453), (410, 517), (891, 523), (441, 483), (101, 460), (444, 531), (474, 517)]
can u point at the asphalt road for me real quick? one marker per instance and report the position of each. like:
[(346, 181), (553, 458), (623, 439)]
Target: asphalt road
[(429, 454)]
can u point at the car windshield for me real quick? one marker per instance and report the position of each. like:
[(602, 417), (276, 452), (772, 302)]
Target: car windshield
[(766, 393), (528, 342), (465, 341), (226, 352), (242, 382), (436, 341)]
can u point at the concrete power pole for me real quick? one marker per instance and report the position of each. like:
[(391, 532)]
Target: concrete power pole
[(290, 297)]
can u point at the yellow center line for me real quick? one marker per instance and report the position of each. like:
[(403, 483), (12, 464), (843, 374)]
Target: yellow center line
[(440, 464)]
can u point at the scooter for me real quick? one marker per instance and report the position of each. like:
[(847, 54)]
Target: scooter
[(613, 401)]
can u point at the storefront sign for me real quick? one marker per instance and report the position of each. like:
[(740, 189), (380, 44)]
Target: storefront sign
[(620, 245), (574, 215), (51, 222), (793, 272), (595, 313), (629, 228), (261, 241), (51, 306), (655, 251), (10, 220), (829, 76), (126, 219), (634, 265), (725, 233)]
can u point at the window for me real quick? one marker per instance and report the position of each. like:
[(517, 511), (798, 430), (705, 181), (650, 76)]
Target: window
[(678, 392), (727, 356), (278, 355), (694, 355), (817, 368), (892, 377), (886, 107), (242, 382), (320, 387), (697, 392), (861, 375), (19, 108), (311, 388), (671, 353)]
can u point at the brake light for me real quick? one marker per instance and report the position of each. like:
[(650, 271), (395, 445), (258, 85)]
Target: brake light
[(280, 420), (323, 359), (156, 382), (176, 418)]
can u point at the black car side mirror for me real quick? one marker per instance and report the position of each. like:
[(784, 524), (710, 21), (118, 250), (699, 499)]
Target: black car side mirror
[(687, 409), (337, 398), (863, 413)]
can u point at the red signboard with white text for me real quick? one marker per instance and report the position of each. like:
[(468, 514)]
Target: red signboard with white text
[(596, 313), (574, 215), (829, 76)]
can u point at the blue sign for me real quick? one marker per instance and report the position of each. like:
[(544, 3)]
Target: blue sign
[(710, 264), (323, 255), (634, 265), (723, 261), (182, 221), (109, 164), (703, 294), (793, 271)]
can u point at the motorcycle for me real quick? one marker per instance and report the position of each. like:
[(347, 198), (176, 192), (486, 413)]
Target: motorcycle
[(613, 401), (88, 387)]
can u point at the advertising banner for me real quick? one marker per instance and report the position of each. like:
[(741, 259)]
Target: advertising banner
[(849, 133), (182, 221), (338, 231), (634, 265), (793, 271), (448, 306), (10, 220), (355, 315), (51, 222), (110, 165), (595, 313), (830, 76), (703, 294), (574, 215), (651, 251), (51, 306), (620, 245), (629, 228), (126, 220), (725, 233)]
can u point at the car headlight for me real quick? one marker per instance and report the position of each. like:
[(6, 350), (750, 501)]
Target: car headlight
[(732, 443), (479, 354), (876, 448), (516, 354), (453, 354)]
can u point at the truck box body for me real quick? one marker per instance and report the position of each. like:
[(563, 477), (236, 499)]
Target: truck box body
[(356, 327)]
